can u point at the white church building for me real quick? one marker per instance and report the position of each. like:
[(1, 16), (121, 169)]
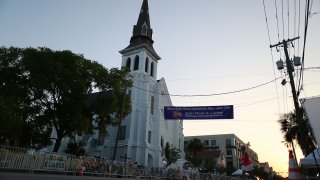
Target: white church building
[(144, 132)]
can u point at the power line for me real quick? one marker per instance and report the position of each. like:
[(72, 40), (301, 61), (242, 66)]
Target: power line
[(311, 68), (275, 4), (213, 94), (299, 27), (294, 43), (282, 19), (272, 60), (288, 19), (265, 14), (216, 77), (307, 13), (284, 100), (294, 26), (257, 102)]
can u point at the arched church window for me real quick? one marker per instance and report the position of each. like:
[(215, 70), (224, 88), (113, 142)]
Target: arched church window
[(128, 63), (144, 30), (146, 68), (152, 105), (136, 63), (161, 142), (151, 70)]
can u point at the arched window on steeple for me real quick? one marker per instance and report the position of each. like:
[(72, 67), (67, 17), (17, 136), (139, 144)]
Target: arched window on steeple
[(128, 63), (146, 67), (151, 70), (136, 63), (144, 30)]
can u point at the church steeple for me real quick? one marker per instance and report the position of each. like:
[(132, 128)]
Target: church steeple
[(143, 26), (142, 33)]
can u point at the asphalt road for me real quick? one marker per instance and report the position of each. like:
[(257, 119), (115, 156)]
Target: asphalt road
[(25, 176)]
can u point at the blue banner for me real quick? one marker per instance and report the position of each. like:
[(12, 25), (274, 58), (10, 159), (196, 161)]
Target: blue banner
[(199, 112)]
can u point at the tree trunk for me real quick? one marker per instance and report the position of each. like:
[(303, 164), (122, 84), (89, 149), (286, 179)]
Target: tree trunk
[(57, 144)]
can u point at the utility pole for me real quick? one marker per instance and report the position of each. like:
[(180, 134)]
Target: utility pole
[(290, 69)]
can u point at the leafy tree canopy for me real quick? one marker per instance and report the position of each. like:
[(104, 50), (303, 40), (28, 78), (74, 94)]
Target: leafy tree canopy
[(193, 147), (302, 133), (172, 154), (44, 89)]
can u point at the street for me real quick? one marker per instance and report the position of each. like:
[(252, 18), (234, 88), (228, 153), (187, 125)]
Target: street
[(25, 176)]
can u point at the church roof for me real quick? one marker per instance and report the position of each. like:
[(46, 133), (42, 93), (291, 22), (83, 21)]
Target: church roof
[(142, 33), (92, 98)]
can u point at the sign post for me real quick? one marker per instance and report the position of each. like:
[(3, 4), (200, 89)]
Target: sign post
[(125, 162)]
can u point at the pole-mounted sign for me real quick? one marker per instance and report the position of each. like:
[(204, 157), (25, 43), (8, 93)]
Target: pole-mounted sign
[(198, 112)]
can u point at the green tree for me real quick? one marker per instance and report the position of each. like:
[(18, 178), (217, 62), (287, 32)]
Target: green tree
[(230, 170), (121, 83), (172, 154), (293, 132), (192, 148), (42, 89), (18, 127), (61, 81), (210, 164), (75, 149), (259, 172)]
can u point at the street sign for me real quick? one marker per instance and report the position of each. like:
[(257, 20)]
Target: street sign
[(198, 112), (55, 161)]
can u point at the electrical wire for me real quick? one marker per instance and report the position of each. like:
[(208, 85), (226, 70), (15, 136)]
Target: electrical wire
[(257, 102), (298, 53), (311, 7), (275, 4), (278, 32), (294, 42), (307, 13), (235, 105), (311, 68), (287, 110), (217, 77), (282, 19), (283, 97), (299, 27), (294, 26), (265, 15), (213, 94), (288, 19), (272, 60)]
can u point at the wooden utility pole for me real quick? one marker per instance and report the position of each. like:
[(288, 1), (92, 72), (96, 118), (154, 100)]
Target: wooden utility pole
[(290, 69)]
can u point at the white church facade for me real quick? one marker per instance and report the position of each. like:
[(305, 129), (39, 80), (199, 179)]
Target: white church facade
[(144, 132)]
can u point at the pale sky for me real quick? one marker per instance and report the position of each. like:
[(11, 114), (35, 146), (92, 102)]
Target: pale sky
[(206, 47)]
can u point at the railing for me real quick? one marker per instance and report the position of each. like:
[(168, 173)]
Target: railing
[(12, 158), (17, 159)]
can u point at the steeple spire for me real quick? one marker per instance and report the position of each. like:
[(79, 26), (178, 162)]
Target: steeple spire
[(143, 21), (142, 32)]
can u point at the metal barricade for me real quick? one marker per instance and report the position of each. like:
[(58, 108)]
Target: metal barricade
[(22, 159), (12, 158)]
